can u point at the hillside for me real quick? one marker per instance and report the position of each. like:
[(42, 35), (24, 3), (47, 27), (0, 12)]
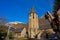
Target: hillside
[(43, 23)]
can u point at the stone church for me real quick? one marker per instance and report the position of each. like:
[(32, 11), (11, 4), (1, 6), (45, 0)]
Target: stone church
[(36, 27), (33, 23)]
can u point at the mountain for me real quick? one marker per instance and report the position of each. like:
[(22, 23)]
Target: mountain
[(43, 23), (16, 24)]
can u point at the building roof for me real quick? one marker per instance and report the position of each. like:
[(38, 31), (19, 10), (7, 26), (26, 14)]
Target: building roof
[(32, 10), (18, 30)]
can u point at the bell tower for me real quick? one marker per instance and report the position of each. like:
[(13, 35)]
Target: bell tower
[(33, 23)]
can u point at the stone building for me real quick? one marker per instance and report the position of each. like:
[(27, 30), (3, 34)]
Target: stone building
[(21, 32), (38, 27), (33, 23)]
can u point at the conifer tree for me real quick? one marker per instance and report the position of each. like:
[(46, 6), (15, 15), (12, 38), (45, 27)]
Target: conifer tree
[(56, 5)]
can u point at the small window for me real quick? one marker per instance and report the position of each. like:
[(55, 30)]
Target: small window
[(33, 15)]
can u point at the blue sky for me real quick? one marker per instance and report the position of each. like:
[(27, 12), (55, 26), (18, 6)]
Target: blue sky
[(18, 10)]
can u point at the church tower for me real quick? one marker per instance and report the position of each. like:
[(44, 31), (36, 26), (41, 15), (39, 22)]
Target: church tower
[(33, 23)]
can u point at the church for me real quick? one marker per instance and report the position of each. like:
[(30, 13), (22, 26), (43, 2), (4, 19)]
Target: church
[(33, 23), (36, 27), (35, 30)]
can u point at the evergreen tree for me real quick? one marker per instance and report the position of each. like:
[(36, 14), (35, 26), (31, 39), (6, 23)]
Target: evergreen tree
[(3, 34), (56, 5)]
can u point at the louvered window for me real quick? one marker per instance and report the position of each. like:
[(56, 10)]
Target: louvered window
[(33, 15)]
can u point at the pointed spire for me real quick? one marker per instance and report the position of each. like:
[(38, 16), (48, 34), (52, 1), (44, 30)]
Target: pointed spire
[(32, 10)]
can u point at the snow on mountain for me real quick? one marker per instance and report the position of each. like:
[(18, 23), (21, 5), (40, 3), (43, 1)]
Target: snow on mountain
[(14, 23)]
